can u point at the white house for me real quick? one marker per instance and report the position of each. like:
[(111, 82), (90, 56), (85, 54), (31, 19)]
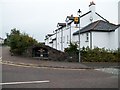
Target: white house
[(95, 31), (100, 34), (48, 39), (1, 40)]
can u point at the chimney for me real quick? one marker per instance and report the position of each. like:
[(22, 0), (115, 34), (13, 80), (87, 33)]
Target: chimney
[(92, 9), (91, 3)]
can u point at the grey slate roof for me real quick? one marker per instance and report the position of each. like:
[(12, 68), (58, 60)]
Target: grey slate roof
[(100, 26), (54, 39)]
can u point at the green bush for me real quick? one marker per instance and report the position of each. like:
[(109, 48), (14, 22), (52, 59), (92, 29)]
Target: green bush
[(19, 42), (99, 55), (72, 52), (93, 55)]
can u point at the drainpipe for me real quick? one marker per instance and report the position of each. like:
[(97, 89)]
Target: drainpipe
[(91, 40)]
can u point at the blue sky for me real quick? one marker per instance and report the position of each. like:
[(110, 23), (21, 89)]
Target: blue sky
[(40, 17)]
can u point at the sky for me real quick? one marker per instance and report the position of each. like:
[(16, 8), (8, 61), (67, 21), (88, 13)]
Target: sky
[(40, 17)]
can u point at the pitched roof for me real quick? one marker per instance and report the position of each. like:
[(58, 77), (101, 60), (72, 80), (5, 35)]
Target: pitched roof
[(54, 39), (101, 17), (50, 35), (100, 25)]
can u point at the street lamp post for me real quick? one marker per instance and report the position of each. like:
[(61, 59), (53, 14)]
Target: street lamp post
[(79, 35), (62, 39)]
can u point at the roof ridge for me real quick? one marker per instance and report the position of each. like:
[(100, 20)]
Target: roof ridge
[(85, 14), (102, 17), (96, 23)]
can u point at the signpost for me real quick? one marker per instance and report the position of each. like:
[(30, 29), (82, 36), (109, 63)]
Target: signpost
[(76, 20)]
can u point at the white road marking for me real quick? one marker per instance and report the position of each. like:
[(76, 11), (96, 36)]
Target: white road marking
[(28, 82), (42, 67)]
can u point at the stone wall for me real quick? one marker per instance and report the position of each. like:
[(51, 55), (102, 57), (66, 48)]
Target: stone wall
[(53, 54)]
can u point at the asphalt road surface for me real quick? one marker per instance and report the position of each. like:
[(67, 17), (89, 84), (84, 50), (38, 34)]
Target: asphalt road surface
[(31, 77), (25, 77)]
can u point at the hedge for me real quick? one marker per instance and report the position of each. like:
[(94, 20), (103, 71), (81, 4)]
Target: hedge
[(100, 55), (93, 55)]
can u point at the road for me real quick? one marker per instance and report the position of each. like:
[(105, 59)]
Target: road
[(14, 76), (57, 78)]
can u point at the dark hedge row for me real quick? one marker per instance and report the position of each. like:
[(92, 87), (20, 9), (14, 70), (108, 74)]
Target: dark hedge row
[(100, 55), (93, 55)]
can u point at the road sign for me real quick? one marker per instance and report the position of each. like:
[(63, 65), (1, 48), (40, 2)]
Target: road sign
[(76, 20)]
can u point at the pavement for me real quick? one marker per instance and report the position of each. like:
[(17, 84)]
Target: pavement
[(43, 63), (8, 59)]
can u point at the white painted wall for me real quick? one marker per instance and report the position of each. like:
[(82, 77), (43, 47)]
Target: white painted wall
[(101, 40), (59, 40), (83, 40), (108, 40), (114, 39), (66, 37), (84, 21), (47, 42), (119, 37), (54, 44)]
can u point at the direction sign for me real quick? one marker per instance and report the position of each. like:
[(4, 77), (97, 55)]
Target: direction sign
[(76, 20)]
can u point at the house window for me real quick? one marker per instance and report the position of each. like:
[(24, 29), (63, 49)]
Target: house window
[(87, 37)]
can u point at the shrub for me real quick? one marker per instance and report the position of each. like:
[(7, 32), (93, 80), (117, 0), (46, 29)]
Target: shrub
[(72, 52), (19, 42), (99, 55), (93, 55)]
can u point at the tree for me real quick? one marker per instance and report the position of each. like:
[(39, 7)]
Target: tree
[(72, 51), (19, 42)]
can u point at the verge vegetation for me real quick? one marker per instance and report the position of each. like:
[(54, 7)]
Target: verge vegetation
[(93, 55), (18, 41)]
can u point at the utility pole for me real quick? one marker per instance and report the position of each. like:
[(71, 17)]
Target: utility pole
[(79, 35)]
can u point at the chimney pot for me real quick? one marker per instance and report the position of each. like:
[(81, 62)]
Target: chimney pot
[(91, 3)]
